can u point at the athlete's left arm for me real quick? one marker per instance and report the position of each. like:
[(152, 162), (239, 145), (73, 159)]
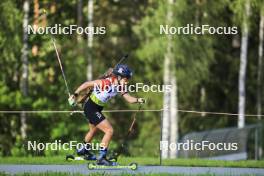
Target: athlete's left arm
[(131, 99)]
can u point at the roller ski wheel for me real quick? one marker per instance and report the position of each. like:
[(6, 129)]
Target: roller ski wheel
[(133, 166), (70, 157), (91, 166)]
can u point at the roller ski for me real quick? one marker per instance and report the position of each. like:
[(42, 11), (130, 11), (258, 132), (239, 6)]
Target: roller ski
[(83, 154), (92, 166), (104, 163)]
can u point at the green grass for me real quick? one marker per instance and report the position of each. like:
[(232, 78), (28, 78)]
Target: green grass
[(140, 161)]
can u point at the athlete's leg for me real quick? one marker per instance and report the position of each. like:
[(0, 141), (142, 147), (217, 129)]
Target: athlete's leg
[(90, 134), (107, 128), (86, 148)]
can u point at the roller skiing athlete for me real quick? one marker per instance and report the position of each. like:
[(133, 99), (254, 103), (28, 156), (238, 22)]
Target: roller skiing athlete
[(101, 91)]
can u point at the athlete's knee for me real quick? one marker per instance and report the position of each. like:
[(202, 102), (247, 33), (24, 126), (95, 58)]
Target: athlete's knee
[(109, 131), (88, 136), (91, 132)]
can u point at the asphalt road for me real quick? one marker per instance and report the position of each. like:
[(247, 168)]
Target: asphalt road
[(82, 168)]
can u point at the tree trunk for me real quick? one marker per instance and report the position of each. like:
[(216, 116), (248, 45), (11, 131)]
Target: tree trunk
[(173, 113), (243, 66), (36, 12), (197, 12), (24, 58), (259, 79), (202, 101), (166, 104), (260, 58), (79, 18), (89, 74), (170, 117), (36, 24), (173, 95)]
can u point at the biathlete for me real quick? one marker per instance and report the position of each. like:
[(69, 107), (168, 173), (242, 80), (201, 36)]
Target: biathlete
[(103, 90)]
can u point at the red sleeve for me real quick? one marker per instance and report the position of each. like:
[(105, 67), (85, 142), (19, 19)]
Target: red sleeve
[(105, 83)]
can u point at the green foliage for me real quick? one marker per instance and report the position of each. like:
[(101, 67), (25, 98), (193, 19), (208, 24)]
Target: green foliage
[(201, 62)]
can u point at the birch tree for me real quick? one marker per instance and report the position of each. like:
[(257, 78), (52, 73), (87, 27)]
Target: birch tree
[(166, 102), (260, 58), (90, 40), (79, 18), (24, 58), (170, 104), (243, 66), (173, 112), (260, 65)]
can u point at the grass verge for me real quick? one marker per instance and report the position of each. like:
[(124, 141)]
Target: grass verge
[(140, 161)]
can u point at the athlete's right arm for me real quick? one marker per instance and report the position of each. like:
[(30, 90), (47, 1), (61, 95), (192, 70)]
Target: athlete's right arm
[(87, 85)]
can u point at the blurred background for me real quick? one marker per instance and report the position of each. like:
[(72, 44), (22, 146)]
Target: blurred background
[(209, 73)]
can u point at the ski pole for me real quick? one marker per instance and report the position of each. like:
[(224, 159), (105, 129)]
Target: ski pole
[(59, 60), (44, 13), (110, 69), (134, 120), (130, 130)]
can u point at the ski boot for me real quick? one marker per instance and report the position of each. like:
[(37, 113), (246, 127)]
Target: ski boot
[(85, 152), (102, 160)]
